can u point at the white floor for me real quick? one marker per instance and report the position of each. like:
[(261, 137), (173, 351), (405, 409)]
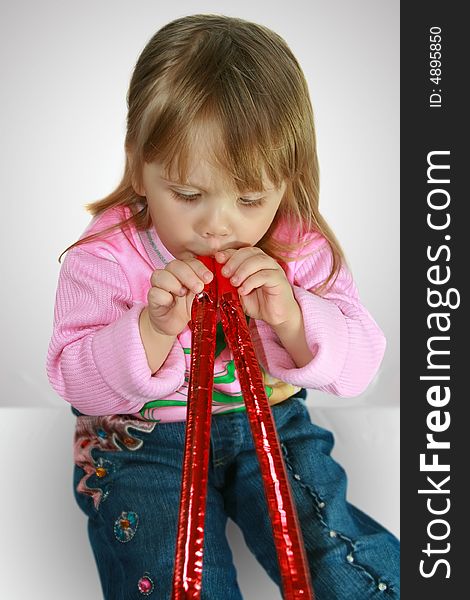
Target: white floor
[(44, 550)]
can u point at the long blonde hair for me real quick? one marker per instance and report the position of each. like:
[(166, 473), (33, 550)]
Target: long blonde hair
[(239, 80)]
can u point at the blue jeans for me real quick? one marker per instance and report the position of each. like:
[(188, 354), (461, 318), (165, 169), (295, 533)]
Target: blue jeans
[(131, 497)]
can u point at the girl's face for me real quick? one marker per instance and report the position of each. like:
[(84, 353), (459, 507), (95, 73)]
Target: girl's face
[(208, 215)]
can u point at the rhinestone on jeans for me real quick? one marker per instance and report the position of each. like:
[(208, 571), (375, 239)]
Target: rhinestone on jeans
[(333, 533), (130, 441), (322, 505), (103, 468), (145, 584), (350, 558), (382, 586)]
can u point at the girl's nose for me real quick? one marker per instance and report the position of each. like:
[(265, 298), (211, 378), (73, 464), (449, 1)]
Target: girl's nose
[(216, 223), (215, 232)]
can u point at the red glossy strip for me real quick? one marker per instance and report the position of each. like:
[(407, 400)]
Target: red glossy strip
[(187, 575), (296, 581), (187, 578)]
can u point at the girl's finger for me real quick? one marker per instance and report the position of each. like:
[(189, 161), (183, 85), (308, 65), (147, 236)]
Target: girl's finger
[(158, 297), (266, 278), (222, 256), (237, 257), (192, 273), (165, 280), (250, 266)]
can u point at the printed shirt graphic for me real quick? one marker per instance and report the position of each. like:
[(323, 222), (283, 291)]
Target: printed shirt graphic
[(226, 395)]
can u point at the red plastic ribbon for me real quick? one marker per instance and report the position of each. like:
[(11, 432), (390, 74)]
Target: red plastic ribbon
[(187, 576)]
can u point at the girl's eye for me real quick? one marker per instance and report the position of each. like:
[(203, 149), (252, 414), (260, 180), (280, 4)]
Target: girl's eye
[(251, 202), (186, 197), (193, 197)]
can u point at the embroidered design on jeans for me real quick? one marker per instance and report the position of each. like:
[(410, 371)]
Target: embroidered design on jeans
[(125, 526), (109, 433), (320, 504)]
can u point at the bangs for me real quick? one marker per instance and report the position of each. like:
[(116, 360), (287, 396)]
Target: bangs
[(228, 123), (243, 166)]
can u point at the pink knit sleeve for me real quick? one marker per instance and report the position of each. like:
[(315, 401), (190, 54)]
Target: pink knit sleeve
[(346, 343), (96, 360)]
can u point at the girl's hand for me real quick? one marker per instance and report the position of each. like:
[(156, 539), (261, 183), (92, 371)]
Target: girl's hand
[(264, 290), (172, 294)]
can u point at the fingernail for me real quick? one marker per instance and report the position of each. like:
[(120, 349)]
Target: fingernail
[(207, 276), (225, 271), (183, 291)]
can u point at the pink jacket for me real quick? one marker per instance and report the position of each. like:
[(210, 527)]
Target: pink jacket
[(96, 360)]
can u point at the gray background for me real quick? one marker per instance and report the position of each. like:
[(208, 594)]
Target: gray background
[(65, 70)]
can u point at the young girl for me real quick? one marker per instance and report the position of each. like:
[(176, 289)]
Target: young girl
[(221, 160)]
